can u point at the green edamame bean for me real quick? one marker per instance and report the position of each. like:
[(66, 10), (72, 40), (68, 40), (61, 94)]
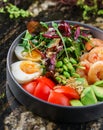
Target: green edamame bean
[(58, 79), (59, 64), (75, 75), (73, 61), (70, 67), (64, 82), (65, 60), (65, 67), (66, 74)]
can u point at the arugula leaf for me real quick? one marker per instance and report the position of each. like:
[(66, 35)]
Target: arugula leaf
[(77, 50), (60, 54), (25, 43)]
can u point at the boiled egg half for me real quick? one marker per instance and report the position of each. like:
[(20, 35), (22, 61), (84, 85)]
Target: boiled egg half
[(25, 71), (22, 55)]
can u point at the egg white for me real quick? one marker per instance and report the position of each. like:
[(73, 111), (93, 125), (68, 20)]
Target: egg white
[(22, 77), (21, 55)]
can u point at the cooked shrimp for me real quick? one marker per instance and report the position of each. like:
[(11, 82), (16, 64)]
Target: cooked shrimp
[(96, 54), (95, 72), (93, 42), (83, 70), (84, 57)]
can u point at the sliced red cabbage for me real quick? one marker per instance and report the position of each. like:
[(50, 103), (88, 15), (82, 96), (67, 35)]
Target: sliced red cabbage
[(77, 33)]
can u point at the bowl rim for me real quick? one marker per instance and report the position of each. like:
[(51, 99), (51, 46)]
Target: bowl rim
[(38, 99)]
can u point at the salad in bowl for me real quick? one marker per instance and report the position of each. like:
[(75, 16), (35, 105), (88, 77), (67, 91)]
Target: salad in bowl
[(60, 63)]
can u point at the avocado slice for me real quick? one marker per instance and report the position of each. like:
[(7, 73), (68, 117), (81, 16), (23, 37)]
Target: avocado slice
[(99, 83), (88, 97), (98, 92), (76, 102), (82, 81)]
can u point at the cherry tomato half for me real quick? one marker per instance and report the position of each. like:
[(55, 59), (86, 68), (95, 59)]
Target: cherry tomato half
[(47, 81), (42, 91), (30, 87), (67, 91), (58, 98)]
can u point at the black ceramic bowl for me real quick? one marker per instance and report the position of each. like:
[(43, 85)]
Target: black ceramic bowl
[(44, 109)]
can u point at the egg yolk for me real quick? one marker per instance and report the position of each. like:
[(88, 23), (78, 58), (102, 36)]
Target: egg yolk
[(33, 54), (29, 67)]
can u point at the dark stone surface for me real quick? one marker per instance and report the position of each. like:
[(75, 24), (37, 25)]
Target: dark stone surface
[(9, 30), (18, 3)]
